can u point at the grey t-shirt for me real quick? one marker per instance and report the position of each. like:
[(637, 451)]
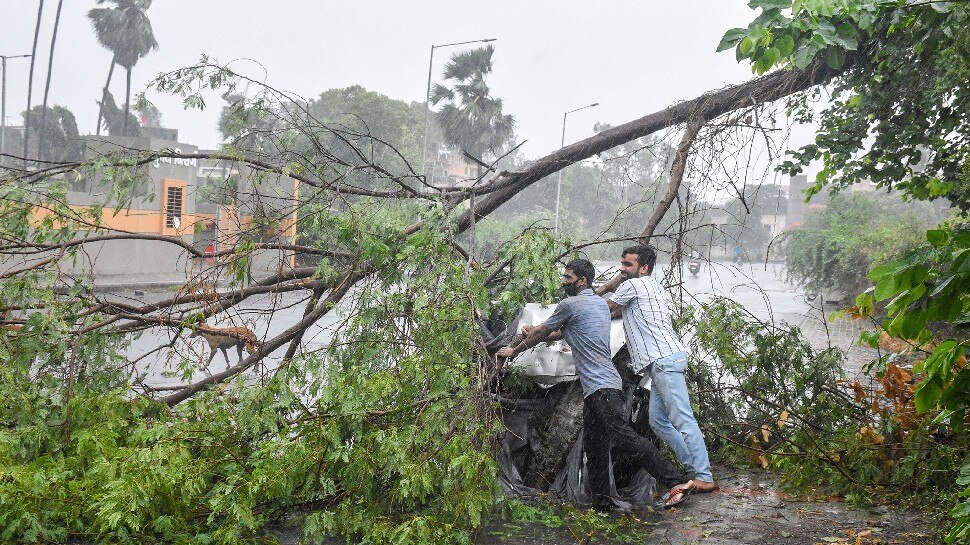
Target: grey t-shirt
[(585, 323)]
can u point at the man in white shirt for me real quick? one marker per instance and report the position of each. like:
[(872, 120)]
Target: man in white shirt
[(656, 348)]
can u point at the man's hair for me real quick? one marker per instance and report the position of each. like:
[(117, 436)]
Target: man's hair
[(583, 269), (645, 255)]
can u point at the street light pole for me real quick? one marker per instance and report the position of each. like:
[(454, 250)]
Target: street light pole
[(3, 99), (427, 97), (562, 144)]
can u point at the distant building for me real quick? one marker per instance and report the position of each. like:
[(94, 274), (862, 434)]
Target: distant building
[(171, 200)]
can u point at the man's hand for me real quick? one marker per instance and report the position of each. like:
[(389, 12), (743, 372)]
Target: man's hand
[(526, 329), (506, 352)]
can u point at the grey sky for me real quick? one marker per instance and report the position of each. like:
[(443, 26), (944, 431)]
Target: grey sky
[(551, 56)]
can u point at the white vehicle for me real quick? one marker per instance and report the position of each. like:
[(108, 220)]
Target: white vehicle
[(550, 363)]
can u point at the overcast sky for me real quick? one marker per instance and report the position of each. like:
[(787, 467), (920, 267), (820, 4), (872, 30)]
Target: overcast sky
[(633, 57)]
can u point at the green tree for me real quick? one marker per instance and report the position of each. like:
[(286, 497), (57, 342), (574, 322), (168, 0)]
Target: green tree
[(899, 112), (56, 131), (900, 117), (114, 120), (364, 114), (125, 31), (855, 232), (471, 120)]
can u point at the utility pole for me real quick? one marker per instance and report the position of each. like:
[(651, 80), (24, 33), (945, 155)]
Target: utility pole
[(562, 144), (3, 99)]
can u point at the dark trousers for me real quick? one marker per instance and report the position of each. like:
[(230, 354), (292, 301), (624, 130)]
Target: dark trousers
[(605, 427)]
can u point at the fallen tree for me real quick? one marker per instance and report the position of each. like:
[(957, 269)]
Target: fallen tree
[(386, 433)]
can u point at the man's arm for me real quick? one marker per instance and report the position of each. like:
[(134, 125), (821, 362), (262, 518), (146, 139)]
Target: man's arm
[(536, 335), (615, 310), (609, 286), (552, 336)]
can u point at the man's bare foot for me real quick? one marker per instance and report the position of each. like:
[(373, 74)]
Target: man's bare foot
[(679, 494), (704, 487)]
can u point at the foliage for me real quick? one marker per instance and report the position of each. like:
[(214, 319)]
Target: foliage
[(754, 372), (59, 133), (899, 112), (384, 439), (898, 117), (837, 245), (927, 289), (584, 526), (775, 402), (124, 29), (114, 120)]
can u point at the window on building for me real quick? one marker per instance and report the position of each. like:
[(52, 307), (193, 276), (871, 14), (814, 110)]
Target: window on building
[(173, 206)]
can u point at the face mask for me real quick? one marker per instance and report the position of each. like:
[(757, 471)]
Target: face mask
[(571, 289)]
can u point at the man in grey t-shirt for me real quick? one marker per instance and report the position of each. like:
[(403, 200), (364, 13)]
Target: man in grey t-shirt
[(583, 319)]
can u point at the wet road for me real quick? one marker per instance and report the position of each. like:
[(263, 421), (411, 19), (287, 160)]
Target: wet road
[(761, 288)]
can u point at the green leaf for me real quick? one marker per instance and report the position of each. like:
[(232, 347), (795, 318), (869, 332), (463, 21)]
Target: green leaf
[(848, 36), (805, 55), (870, 338), (937, 237), (770, 4), (746, 46), (835, 58), (731, 38), (927, 394), (785, 45)]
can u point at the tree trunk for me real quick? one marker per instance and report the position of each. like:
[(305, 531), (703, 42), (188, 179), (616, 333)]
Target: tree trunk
[(708, 106), (556, 429), (47, 85), (124, 129), (104, 97), (30, 78)]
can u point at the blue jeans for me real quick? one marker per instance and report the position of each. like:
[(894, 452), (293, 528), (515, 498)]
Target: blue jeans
[(672, 417)]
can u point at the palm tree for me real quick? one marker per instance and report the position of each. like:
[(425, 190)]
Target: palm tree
[(126, 31), (30, 80), (50, 70), (471, 120)]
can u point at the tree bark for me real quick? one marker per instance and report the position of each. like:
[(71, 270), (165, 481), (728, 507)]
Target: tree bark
[(104, 97), (47, 85), (30, 78), (124, 130)]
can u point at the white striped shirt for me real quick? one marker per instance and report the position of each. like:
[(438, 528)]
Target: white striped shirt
[(647, 322)]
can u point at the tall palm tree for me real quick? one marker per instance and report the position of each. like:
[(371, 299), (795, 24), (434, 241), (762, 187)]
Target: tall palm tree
[(50, 70), (30, 79), (471, 119), (126, 31)]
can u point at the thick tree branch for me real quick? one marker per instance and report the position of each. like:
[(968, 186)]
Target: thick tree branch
[(708, 106), (676, 178)]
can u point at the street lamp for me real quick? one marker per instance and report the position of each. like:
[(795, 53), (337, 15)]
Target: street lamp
[(3, 98), (427, 96), (562, 145)]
